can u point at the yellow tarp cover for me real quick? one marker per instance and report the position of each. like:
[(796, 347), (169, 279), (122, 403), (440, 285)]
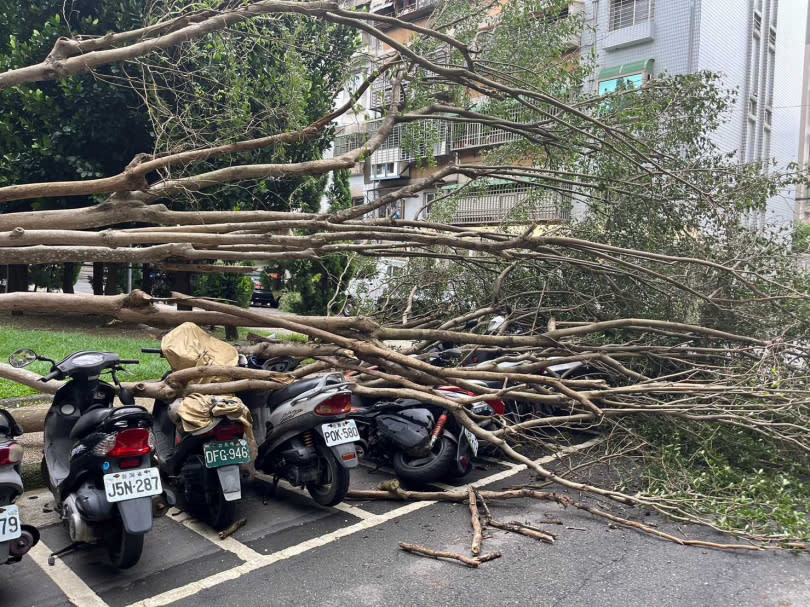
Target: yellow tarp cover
[(188, 346)]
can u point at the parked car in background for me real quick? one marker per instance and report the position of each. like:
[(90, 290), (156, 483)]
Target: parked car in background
[(263, 296)]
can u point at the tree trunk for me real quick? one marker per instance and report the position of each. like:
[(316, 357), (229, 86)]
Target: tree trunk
[(17, 282), (231, 333), (68, 274), (181, 282), (98, 278), (111, 284)]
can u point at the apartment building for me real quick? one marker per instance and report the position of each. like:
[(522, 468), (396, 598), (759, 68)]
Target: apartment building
[(758, 46), (394, 165), (803, 192)]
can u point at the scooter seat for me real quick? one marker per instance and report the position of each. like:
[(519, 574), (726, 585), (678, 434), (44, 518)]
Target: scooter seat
[(88, 422), (279, 396)]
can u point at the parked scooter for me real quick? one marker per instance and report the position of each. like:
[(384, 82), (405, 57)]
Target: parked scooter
[(423, 442), (447, 355), (16, 539), (199, 439), (303, 434), (201, 469), (98, 459)]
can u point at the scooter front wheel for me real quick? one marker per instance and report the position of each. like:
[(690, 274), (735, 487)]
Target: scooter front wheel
[(124, 548), (334, 481)]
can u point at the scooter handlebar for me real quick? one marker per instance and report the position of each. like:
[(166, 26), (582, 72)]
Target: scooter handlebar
[(129, 361), (52, 375), (152, 351)]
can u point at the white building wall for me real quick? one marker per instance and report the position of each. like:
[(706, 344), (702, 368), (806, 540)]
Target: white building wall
[(685, 36), (787, 135)]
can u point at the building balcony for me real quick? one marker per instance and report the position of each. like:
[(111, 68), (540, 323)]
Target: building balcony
[(351, 4), (411, 7), (472, 135), (511, 203), (638, 33)]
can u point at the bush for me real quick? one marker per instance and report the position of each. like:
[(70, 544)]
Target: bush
[(234, 288)]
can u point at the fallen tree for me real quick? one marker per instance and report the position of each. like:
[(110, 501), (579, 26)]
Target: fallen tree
[(684, 324)]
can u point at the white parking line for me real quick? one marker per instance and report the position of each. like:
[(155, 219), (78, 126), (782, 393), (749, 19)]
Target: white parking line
[(74, 587), (373, 520), (246, 553)]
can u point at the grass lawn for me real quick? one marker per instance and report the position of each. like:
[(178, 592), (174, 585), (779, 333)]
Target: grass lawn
[(88, 333), (58, 345)]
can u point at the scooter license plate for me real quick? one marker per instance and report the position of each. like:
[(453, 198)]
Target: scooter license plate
[(226, 453), (341, 432), (472, 440), (129, 484), (10, 527)]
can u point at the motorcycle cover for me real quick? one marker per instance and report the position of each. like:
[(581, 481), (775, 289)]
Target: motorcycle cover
[(188, 346)]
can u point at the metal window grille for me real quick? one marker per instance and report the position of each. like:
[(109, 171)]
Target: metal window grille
[(394, 149), (403, 7), (348, 142), (474, 134), (625, 13), (517, 203)]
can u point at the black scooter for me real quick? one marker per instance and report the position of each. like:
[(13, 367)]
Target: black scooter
[(423, 443), (16, 539), (201, 471), (98, 459)]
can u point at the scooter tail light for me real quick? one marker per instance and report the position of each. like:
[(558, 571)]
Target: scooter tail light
[(133, 442), (335, 405), (11, 454), (498, 406), (228, 431)]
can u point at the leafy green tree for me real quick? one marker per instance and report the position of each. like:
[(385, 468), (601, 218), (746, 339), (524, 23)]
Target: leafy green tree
[(77, 128), (320, 286)]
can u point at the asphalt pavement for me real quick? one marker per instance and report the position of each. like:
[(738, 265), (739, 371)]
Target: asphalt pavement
[(294, 552)]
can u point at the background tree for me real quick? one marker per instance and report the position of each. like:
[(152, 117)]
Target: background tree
[(80, 128)]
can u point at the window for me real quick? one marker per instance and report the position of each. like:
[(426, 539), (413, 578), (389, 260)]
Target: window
[(626, 77), (623, 83), (625, 13)]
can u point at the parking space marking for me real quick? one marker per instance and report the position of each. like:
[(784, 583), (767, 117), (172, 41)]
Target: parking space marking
[(495, 460), (74, 587), (192, 588), (342, 506), (244, 552)]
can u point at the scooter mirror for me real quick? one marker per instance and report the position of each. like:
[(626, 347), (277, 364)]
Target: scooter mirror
[(22, 358), (126, 397)]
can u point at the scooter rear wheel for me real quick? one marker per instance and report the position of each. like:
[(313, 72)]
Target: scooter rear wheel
[(336, 484), (428, 467), (219, 512), (124, 548)]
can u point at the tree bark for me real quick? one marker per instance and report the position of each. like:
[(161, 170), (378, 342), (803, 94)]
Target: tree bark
[(68, 273), (111, 284), (98, 278)]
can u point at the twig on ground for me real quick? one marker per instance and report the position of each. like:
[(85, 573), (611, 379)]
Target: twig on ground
[(232, 529), (475, 519)]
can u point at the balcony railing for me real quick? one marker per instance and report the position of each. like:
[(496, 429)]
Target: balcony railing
[(513, 203), (410, 141), (404, 7), (475, 135)]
